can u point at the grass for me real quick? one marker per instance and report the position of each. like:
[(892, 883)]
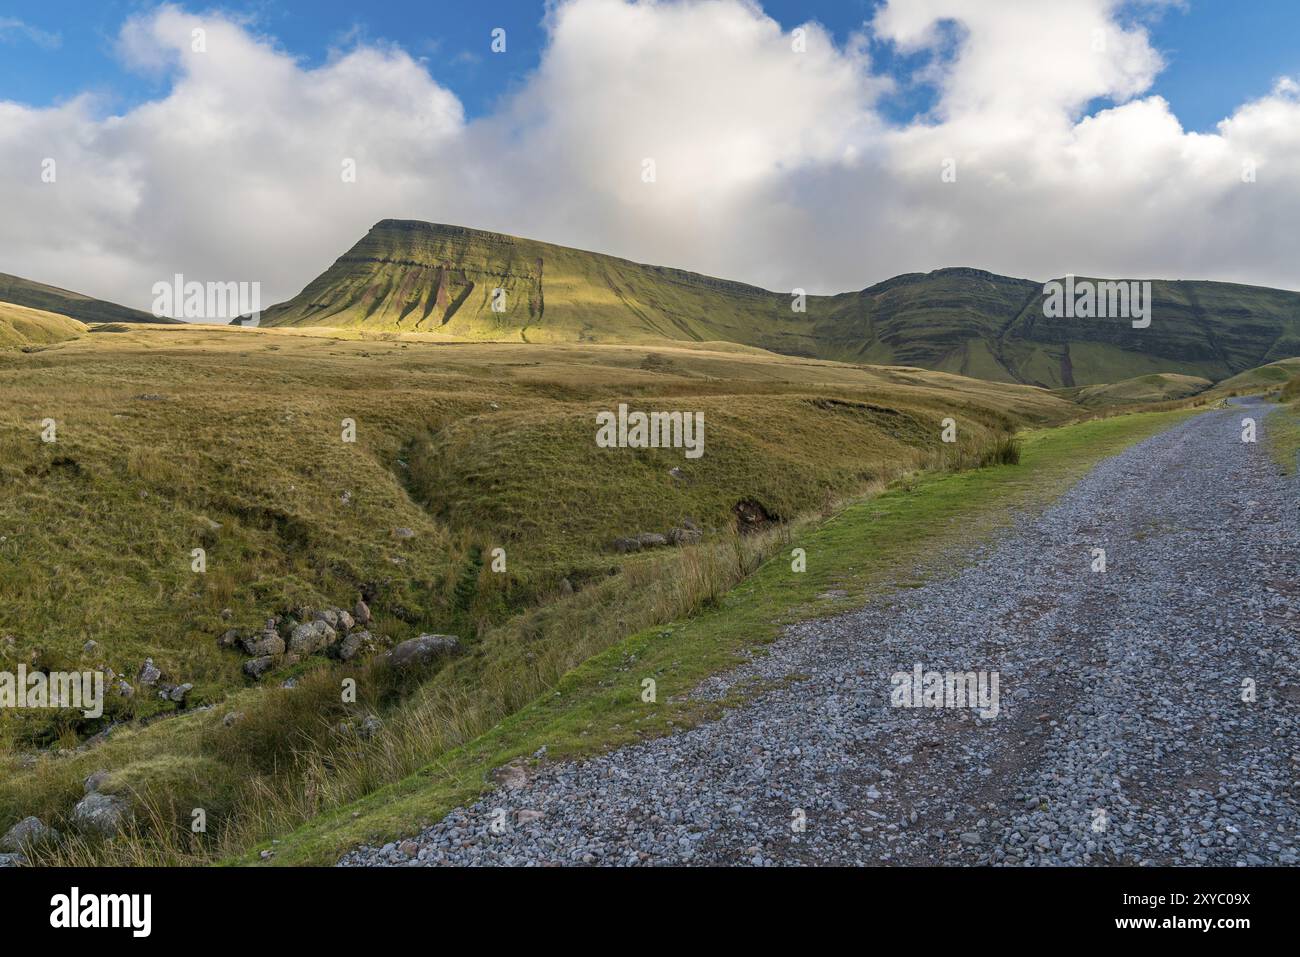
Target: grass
[(890, 538), (229, 440), (23, 328), (1283, 428)]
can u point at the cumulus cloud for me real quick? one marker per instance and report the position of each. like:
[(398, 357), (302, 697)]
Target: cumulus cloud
[(772, 160)]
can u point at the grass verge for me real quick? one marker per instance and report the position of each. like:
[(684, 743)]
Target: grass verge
[(888, 540)]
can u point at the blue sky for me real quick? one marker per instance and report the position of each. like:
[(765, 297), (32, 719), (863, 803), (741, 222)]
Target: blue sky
[(1219, 53)]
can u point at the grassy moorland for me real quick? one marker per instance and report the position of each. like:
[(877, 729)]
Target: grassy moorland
[(885, 541), (28, 329), (171, 439)]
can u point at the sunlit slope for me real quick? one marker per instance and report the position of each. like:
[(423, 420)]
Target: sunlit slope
[(424, 277), (37, 295), (1160, 387), (20, 327)]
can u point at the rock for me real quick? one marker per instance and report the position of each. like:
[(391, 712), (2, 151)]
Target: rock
[(311, 637), (30, 832), (232, 719), (527, 816), (229, 638), (422, 650), (566, 587), (12, 860), (328, 615), (226, 614), (149, 673), (94, 781), (677, 473), (176, 693), (625, 545), (970, 837), (105, 814), (651, 540), (256, 667), (90, 647), (684, 536), (346, 621), (403, 532), (370, 726), (361, 613), (266, 643), (124, 689), (351, 645)]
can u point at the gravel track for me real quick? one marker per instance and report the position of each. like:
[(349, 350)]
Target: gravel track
[(1121, 735)]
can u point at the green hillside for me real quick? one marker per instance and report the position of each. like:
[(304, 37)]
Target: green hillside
[(21, 327), (36, 295), (423, 277), (1160, 387)]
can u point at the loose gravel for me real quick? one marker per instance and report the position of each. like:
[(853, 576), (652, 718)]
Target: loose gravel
[(1146, 714)]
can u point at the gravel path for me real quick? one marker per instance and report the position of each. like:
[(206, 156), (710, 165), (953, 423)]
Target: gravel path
[(1121, 734)]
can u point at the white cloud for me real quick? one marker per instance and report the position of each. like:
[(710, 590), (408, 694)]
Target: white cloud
[(772, 166)]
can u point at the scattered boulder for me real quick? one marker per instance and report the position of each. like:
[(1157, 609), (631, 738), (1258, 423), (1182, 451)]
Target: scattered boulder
[(232, 719), (352, 644), (677, 473), (149, 673), (361, 613), (422, 650), (30, 832), (227, 614), (104, 814), (684, 536), (566, 587), (256, 667), (370, 726), (229, 638), (651, 540), (346, 621), (175, 693), (95, 781), (124, 689), (89, 648), (266, 643), (403, 532), (328, 615), (311, 637), (625, 545)]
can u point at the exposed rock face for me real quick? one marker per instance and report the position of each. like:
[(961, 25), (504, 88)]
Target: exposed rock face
[(311, 637), (105, 814), (28, 833), (423, 650)]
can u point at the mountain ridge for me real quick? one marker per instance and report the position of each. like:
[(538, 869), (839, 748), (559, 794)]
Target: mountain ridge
[(409, 275)]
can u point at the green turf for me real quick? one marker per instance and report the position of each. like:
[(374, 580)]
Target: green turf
[(864, 548)]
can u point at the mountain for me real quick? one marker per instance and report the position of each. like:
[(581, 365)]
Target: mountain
[(423, 277), (36, 295)]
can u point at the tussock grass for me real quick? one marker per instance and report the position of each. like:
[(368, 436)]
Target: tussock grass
[(229, 440)]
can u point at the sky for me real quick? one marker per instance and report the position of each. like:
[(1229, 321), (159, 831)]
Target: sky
[(1099, 137)]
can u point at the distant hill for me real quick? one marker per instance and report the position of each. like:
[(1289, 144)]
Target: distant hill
[(415, 276), (1159, 387), (36, 295), (20, 326)]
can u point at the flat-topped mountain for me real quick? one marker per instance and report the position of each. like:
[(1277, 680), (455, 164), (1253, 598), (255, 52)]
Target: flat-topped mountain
[(424, 277)]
